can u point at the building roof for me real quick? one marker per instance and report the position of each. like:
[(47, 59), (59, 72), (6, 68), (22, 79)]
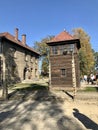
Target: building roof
[(11, 38), (63, 36)]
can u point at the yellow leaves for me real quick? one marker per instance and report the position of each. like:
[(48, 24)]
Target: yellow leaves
[(87, 55)]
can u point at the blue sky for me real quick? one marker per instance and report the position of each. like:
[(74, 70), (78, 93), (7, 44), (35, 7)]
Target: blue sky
[(40, 18)]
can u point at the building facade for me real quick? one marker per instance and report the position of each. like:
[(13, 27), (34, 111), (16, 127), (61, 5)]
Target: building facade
[(18, 61), (64, 64)]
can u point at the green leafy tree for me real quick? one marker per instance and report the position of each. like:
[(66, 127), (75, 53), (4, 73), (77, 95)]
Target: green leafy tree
[(45, 66), (82, 60), (43, 49), (86, 56), (96, 61)]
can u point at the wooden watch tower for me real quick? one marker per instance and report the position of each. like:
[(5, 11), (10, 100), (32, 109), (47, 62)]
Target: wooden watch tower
[(63, 62)]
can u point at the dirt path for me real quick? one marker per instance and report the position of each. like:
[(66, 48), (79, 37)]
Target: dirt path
[(36, 115), (45, 110)]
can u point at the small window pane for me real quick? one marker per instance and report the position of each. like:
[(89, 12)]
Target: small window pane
[(12, 52), (54, 50), (26, 57), (72, 47), (62, 48), (63, 72)]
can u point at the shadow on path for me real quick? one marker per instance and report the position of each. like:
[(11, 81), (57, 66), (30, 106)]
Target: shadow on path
[(70, 95), (87, 122), (32, 109)]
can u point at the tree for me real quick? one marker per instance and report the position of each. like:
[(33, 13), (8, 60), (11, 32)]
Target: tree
[(82, 61), (45, 66), (86, 57), (96, 61), (43, 49)]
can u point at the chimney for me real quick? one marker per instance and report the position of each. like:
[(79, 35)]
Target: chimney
[(16, 34), (24, 39)]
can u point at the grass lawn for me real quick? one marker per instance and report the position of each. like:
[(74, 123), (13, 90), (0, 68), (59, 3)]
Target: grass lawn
[(37, 86), (25, 90), (89, 89), (28, 86)]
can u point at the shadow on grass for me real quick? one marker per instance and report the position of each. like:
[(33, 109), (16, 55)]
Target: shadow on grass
[(23, 114), (27, 91)]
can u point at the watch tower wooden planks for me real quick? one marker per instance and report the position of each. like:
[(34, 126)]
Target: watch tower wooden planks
[(63, 61)]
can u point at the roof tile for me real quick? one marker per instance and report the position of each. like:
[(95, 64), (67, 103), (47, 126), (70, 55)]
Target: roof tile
[(63, 36)]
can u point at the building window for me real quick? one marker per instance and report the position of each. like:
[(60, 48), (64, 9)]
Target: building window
[(63, 72), (66, 49), (15, 53), (31, 59), (35, 72), (54, 50), (0, 48), (36, 61), (13, 70), (26, 57), (1, 65), (63, 49), (72, 48), (12, 52)]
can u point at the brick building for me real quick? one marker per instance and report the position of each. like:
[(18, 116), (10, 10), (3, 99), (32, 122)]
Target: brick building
[(17, 60)]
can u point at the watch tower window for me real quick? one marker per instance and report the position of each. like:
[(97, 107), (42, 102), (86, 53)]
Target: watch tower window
[(54, 50)]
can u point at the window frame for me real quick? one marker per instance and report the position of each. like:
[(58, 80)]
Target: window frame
[(12, 52), (63, 72), (26, 57), (0, 47), (32, 59), (54, 50), (62, 49)]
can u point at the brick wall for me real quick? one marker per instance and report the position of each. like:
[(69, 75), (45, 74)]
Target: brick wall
[(20, 63)]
